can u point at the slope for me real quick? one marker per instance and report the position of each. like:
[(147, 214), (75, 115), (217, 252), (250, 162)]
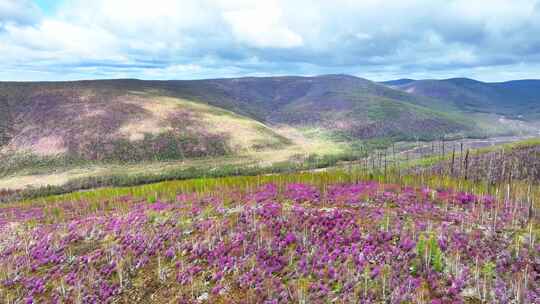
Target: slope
[(515, 99), (103, 121), (344, 105), (133, 126)]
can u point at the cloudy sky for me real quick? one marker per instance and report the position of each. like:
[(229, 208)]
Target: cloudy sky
[(491, 40)]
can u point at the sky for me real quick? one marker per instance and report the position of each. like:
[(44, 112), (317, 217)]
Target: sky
[(489, 40)]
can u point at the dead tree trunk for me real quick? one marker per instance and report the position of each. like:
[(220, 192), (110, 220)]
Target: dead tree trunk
[(466, 164), (452, 162)]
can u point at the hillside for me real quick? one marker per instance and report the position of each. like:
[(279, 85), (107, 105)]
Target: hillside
[(346, 105), (517, 99), (141, 120), (506, 163), (310, 237), (100, 122), (103, 127)]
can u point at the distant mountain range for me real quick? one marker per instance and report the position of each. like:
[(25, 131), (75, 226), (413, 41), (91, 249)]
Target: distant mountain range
[(516, 99), (130, 119)]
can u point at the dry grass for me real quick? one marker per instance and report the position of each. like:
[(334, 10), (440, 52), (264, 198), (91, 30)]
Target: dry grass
[(244, 134), (153, 123), (53, 179), (303, 145), (50, 145)]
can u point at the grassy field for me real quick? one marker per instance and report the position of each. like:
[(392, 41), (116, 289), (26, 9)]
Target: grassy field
[(386, 233), (396, 170), (169, 189), (309, 149)]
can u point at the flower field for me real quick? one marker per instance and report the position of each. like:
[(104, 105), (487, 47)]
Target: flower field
[(353, 242)]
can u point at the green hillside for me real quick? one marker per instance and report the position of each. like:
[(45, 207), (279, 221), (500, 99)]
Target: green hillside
[(515, 99), (133, 120), (52, 132), (99, 123), (342, 104)]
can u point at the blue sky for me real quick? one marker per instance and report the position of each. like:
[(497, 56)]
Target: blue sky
[(491, 40), (48, 6)]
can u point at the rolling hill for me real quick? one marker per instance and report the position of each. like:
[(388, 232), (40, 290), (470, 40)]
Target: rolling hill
[(261, 120), (515, 99), (346, 105), (158, 120), (102, 121)]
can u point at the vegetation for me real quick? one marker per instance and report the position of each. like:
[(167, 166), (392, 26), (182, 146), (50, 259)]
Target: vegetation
[(516, 99), (123, 109), (110, 124), (427, 224), (52, 128), (506, 163), (283, 238), (122, 180), (5, 122)]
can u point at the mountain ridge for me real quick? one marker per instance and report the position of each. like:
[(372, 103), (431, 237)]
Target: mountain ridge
[(344, 106), (514, 98)]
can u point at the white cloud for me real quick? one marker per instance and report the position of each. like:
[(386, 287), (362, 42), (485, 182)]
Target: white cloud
[(262, 26), (18, 12), (63, 39), (215, 38)]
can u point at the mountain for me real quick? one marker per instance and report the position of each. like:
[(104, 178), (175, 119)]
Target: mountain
[(398, 82), (56, 132), (137, 120), (141, 120), (106, 120), (345, 104), (515, 99)]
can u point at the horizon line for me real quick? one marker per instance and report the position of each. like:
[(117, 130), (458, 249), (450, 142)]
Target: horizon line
[(261, 77)]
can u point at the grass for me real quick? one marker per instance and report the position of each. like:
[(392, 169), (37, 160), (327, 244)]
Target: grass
[(245, 134), (286, 145), (122, 179), (247, 179), (137, 174), (150, 282), (514, 145), (434, 159)]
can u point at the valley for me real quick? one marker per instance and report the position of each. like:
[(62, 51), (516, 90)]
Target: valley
[(266, 190), (385, 235), (269, 152), (64, 131)]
